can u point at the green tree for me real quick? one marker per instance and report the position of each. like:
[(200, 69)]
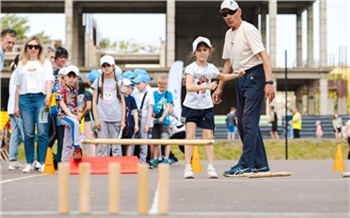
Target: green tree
[(42, 36), (105, 43), (17, 23)]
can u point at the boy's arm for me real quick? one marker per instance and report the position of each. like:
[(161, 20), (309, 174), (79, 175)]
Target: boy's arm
[(136, 120), (193, 88), (86, 109), (149, 116), (272, 117)]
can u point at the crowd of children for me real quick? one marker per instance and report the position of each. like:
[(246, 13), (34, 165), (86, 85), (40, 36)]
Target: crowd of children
[(123, 105)]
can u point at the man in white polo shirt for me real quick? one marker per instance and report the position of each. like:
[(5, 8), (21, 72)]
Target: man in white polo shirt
[(243, 49)]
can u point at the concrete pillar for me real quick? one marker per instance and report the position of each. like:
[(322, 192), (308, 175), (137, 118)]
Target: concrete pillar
[(323, 95), (170, 32), (299, 42), (311, 100), (342, 105), (310, 37), (273, 15), (68, 10), (323, 33), (81, 41), (77, 22), (263, 25), (87, 50)]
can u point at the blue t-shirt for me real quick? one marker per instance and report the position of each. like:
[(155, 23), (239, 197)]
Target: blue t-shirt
[(160, 101), (130, 104)]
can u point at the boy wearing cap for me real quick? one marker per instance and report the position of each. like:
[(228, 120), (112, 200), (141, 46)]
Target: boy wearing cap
[(145, 101), (90, 131), (243, 49), (131, 116), (67, 97)]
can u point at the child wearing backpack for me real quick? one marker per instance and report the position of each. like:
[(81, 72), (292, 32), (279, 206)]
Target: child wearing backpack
[(108, 107), (67, 97), (90, 131), (145, 101), (131, 116)]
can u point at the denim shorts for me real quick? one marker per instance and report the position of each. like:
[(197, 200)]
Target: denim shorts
[(203, 118), (231, 128)]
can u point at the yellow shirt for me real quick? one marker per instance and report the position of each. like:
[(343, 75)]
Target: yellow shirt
[(296, 121)]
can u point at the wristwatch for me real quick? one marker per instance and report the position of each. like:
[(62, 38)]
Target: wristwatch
[(269, 82)]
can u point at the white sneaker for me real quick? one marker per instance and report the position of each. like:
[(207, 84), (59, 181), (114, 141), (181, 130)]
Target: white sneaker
[(28, 168), (212, 173), (42, 168), (37, 166), (15, 165), (188, 174)]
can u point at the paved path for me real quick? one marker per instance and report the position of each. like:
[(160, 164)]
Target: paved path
[(313, 190)]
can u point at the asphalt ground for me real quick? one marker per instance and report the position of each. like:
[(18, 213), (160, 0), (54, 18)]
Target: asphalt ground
[(313, 190)]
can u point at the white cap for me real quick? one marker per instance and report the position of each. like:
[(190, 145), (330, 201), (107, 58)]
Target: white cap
[(62, 71), (117, 71), (72, 68), (229, 4), (199, 40), (107, 59), (126, 82)]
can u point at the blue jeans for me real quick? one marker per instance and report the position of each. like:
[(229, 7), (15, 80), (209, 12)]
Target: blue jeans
[(17, 136), (250, 99), (31, 107)]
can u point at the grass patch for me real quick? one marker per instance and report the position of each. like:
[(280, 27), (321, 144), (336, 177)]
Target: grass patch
[(298, 149)]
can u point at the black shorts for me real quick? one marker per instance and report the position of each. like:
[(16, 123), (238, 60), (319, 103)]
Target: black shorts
[(203, 118), (160, 131), (339, 129), (274, 127)]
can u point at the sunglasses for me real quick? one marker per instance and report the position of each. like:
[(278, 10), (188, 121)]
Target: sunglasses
[(36, 47), (230, 12)]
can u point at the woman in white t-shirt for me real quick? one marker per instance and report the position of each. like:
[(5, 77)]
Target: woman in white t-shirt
[(198, 108), (33, 80)]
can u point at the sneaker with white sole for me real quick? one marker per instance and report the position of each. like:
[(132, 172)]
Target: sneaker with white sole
[(15, 165), (238, 171), (212, 173), (188, 174), (28, 168), (261, 169), (37, 166), (41, 170)]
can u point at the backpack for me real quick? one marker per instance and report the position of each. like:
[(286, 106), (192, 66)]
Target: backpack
[(90, 115)]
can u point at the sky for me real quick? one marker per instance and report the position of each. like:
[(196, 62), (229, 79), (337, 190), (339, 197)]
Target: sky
[(153, 28)]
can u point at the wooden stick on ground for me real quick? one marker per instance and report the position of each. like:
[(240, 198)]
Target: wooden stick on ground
[(269, 174), (345, 174)]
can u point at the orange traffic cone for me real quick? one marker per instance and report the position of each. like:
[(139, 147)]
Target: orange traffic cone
[(49, 167), (339, 164), (196, 162)]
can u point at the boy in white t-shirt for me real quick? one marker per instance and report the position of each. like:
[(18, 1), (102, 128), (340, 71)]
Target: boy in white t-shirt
[(145, 101)]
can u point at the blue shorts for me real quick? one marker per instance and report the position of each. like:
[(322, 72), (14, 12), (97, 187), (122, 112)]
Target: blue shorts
[(231, 128), (203, 118)]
